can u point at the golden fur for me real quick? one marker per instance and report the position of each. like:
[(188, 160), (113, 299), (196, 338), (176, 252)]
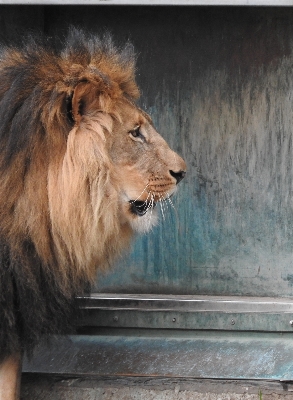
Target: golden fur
[(81, 168)]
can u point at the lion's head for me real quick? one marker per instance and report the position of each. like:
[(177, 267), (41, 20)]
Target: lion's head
[(82, 164)]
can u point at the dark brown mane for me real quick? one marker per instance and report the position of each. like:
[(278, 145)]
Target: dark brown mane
[(41, 93), (36, 83)]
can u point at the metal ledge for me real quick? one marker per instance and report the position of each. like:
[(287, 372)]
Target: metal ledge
[(187, 312), (172, 354)]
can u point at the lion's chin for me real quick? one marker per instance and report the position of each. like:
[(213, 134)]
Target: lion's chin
[(143, 221)]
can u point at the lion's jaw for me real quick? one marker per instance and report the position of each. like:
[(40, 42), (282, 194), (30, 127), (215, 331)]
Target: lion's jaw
[(140, 220)]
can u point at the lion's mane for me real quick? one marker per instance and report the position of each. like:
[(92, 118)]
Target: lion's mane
[(59, 209)]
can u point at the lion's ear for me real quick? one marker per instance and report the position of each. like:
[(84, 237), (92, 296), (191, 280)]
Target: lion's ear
[(82, 96), (88, 96)]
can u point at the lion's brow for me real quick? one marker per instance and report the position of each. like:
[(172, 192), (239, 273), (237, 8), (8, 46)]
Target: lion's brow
[(144, 114)]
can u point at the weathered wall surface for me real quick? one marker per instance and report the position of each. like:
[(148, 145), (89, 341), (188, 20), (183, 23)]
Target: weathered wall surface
[(218, 83)]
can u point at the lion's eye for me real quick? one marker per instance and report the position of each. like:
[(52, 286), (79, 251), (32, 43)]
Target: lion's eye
[(136, 134)]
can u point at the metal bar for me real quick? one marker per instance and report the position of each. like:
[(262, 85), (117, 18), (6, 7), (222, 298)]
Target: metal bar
[(189, 320), (186, 303), (278, 3), (187, 312)]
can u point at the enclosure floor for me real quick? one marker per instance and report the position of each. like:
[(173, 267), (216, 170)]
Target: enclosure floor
[(39, 387)]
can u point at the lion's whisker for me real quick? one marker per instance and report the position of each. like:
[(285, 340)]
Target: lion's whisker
[(132, 201), (147, 202), (151, 202), (168, 198), (150, 206), (162, 206)]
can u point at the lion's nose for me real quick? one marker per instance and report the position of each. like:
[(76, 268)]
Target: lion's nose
[(178, 175)]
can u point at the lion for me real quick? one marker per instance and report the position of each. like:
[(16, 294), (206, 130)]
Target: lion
[(81, 170)]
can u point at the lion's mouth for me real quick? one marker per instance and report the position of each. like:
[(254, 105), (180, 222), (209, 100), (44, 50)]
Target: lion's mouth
[(141, 207)]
